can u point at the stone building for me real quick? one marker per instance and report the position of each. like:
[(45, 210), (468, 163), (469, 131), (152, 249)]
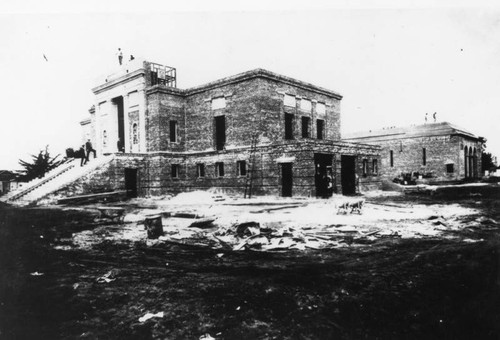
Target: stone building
[(9, 180), (257, 132), (438, 151)]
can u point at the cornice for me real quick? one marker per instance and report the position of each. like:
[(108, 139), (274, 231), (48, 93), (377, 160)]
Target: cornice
[(119, 81)]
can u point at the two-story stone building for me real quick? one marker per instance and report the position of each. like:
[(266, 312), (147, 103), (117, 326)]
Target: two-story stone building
[(256, 131)]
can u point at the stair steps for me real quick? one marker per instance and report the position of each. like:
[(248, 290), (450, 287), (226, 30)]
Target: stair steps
[(54, 180)]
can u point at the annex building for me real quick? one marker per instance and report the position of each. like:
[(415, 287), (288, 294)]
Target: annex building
[(257, 132), (437, 151)]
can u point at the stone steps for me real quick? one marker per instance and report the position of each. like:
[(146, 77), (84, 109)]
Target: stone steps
[(58, 181)]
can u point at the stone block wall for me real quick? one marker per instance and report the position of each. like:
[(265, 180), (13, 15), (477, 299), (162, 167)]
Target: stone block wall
[(271, 94), (440, 150), (106, 178), (156, 170), (253, 105)]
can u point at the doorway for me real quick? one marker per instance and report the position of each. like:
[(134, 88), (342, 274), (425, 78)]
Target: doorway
[(131, 182), (348, 174), (220, 132), (286, 179), (323, 176), (120, 144)]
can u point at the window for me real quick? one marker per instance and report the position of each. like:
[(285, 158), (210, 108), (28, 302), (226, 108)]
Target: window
[(241, 168), (175, 171), (375, 166), (320, 108), (320, 127), (135, 134), (218, 103), (305, 105), (391, 156), (288, 126), (365, 167), (220, 132), (103, 109), (424, 157), (200, 170), (305, 127), (133, 99), (449, 168), (289, 100), (173, 131), (219, 169)]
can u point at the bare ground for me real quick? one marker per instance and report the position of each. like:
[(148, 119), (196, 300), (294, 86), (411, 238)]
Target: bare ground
[(390, 288)]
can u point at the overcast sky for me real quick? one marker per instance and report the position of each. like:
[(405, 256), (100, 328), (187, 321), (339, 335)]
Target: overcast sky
[(391, 64)]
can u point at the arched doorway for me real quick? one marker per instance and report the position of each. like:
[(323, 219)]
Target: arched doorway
[(466, 162), (471, 173), (474, 164)]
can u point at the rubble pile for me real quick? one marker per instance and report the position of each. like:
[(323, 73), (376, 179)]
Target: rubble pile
[(288, 225)]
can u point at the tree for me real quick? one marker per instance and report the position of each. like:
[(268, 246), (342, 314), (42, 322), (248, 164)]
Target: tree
[(487, 162), (39, 165)]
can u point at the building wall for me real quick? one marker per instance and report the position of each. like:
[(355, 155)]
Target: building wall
[(131, 87), (253, 105), (155, 171), (154, 177), (271, 94), (440, 151)]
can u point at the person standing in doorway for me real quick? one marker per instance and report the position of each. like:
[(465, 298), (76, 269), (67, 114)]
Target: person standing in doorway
[(89, 149), (120, 146), (120, 56)]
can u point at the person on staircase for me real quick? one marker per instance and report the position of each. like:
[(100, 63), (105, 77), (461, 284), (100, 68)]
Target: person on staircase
[(81, 155), (89, 149)]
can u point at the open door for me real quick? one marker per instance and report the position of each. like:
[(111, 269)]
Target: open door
[(220, 132), (120, 144), (323, 174), (131, 182), (286, 179), (348, 174)]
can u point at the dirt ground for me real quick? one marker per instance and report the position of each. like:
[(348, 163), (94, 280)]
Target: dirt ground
[(432, 272)]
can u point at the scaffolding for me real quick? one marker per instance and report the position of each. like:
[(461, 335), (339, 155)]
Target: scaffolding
[(163, 75)]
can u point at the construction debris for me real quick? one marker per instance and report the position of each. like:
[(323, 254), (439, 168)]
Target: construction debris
[(153, 226), (204, 223), (148, 316), (108, 277), (310, 225), (36, 274)]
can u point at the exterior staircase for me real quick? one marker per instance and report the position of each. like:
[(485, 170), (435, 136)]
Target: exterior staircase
[(53, 180)]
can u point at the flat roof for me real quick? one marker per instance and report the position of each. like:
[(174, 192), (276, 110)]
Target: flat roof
[(424, 130), (138, 69)]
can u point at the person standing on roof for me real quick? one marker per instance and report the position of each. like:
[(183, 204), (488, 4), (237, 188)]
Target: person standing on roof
[(120, 56)]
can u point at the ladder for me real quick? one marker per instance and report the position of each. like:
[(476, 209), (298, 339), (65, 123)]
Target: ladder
[(249, 179)]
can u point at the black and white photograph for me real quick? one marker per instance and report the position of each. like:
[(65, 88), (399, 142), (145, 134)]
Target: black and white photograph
[(223, 170)]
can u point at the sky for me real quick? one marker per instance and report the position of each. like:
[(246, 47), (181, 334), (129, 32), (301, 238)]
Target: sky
[(392, 62)]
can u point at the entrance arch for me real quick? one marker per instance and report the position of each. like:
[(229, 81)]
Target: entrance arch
[(466, 162)]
